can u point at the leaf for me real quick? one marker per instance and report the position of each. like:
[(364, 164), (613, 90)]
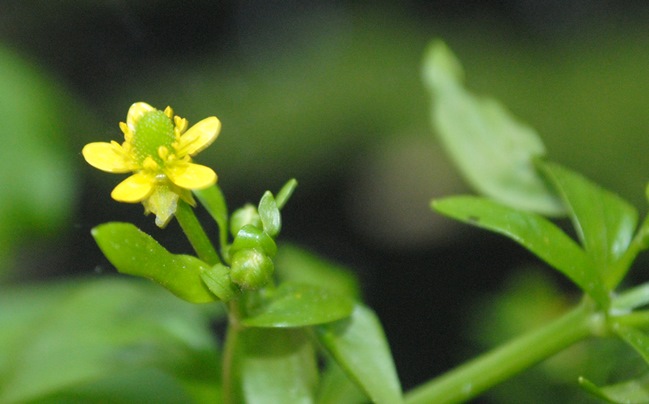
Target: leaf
[(214, 202), (293, 264), (633, 298), (636, 338), (492, 149), (604, 222), (359, 346), (634, 391), (39, 178), (269, 213), (297, 305), (134, 252), (533, 232), (285, 193), (336, 387), (217, 279), (274, 366), (80, 338)]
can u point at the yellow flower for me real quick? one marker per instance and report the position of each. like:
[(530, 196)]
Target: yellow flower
[(157, 148)]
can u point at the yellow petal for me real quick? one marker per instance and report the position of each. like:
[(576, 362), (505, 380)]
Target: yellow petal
[(134, 189), (191, 176), (107, 157), (136, 112), (199, 136)]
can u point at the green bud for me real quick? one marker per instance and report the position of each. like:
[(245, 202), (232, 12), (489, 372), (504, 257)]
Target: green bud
[(251, 269), (245, 215), (269, 213), (252, 237)]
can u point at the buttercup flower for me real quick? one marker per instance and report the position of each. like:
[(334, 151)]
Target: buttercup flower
[(157, 149)]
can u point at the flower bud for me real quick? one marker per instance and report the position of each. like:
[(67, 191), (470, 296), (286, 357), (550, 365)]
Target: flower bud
[(245, 215), (251, 269), (252, 237)]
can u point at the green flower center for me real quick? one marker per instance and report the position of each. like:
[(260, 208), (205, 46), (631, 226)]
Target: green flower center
[(153, 130)]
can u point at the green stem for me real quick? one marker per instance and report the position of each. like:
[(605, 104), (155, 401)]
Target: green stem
[(487, 370), (195, 233), (231, 336), (638, 319)]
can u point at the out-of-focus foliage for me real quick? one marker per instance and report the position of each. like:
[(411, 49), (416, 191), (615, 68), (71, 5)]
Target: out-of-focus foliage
[(105, 339), (37, 184), (492, 149), (528, 299)]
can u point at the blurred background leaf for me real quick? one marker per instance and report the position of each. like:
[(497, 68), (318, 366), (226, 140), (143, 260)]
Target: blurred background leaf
[(38, 182), (94, 339)]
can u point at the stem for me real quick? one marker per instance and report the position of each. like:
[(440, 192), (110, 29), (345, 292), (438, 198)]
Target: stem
[(474, 377), (638, 319), (231, 336), (213, 200), (195, 233)]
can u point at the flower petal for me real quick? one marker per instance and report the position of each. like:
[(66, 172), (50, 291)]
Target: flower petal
[(191, 176), (134, 189), (107, 157), (136, 112), (199, 136)]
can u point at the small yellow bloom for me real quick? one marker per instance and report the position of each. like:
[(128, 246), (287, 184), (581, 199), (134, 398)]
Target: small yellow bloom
[(157, 149)]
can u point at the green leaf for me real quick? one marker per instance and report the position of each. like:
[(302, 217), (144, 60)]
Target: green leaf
[(633, 298), (39, 177), (217, 279), (491, 148), (604, 222), (359, 346), (636, 338), (274, 366), (214, 202), (285, 193), (336, 387), (269, 213), (134, 252), (533, 232), (634, 391), (297, 305), (84, 339), (293, 264)]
